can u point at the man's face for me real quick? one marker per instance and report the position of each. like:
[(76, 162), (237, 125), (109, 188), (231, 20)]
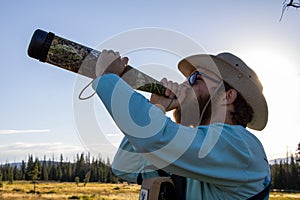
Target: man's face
[(197, 99)]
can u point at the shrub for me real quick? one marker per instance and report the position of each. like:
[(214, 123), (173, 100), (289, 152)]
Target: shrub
[(74, 197), (18, 190)]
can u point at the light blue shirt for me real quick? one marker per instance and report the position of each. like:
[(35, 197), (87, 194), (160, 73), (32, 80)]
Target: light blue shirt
[(220, 161)]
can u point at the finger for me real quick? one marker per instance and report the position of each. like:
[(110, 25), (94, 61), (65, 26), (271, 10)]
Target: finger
[(164, 81), (169, 92), (125, 61), (111, 52), (174, 88), (181, 94), (104, 51)]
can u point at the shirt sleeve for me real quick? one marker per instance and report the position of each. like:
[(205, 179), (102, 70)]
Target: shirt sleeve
[(128, 164), (216, 154)]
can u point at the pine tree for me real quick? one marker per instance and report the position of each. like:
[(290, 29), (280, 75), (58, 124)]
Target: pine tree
[(279, 177), (109, 171), (294, 175), (103, 172), (69, 172), (298, 154), (61, 160), (16, 173), (59, 173), (10, 174), (34, 174), (63, 169), (80, 167), (52, 172), (1, 184), (44, 170), (23, 170), (94, 171), (29, 168), (298, 166)]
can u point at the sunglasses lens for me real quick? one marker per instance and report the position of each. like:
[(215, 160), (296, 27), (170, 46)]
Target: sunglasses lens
[(193, 77)]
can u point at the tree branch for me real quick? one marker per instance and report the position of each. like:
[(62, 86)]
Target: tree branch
[(287, 5), (293, 4)]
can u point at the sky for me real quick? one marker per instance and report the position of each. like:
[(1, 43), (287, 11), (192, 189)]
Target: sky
[(40, 111)]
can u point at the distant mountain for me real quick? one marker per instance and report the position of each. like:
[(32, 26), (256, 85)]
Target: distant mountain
[(19, 164), (283, 160)]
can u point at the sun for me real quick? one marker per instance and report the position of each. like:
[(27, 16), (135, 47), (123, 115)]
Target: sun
[(278, 74)]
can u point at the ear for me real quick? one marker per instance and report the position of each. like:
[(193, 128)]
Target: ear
[(231, 95)]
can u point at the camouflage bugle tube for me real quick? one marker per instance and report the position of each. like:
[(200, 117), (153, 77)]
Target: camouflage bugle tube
[(69, 55)]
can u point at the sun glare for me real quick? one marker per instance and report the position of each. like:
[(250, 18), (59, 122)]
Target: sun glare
[(280, 79)]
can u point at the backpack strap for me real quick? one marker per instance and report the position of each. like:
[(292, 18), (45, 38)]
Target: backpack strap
[(262, 195), (180, 186)]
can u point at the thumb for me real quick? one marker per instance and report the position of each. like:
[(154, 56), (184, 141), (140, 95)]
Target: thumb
[(125, 61)]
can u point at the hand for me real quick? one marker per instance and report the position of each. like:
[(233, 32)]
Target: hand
[(172, 89), (110, 62)]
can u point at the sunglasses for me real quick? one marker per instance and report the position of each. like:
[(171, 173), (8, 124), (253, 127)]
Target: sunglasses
[(195, 76)]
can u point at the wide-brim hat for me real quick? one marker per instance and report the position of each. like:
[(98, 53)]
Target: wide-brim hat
[(238, 75)]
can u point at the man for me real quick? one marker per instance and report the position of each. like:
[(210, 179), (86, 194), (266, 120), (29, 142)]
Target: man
[(209, 144)]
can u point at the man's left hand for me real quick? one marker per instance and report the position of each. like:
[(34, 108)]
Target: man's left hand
[(110, 61)]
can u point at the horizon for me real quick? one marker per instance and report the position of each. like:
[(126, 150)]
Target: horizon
[(271, 162)]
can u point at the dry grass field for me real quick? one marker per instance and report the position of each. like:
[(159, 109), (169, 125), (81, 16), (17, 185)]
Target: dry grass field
[(92, 191), (56, 190), (284, 196)]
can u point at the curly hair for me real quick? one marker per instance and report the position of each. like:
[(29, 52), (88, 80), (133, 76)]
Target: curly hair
[(243, 112)]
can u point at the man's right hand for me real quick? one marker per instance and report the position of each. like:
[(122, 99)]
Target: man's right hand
[(174, 92)]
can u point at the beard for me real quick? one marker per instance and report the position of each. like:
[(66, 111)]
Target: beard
[(189, 113)]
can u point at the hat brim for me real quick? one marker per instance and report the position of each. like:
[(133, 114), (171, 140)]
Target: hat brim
[(246, 86)]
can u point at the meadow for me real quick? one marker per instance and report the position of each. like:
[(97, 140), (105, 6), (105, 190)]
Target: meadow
[(92, 191), (57, 190)]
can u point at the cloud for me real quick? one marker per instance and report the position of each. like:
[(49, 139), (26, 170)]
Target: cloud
[(12, 131), (49, 147), (17, 151)]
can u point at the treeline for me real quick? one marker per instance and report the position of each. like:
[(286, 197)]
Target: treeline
[(83, 169), (286, 174)]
